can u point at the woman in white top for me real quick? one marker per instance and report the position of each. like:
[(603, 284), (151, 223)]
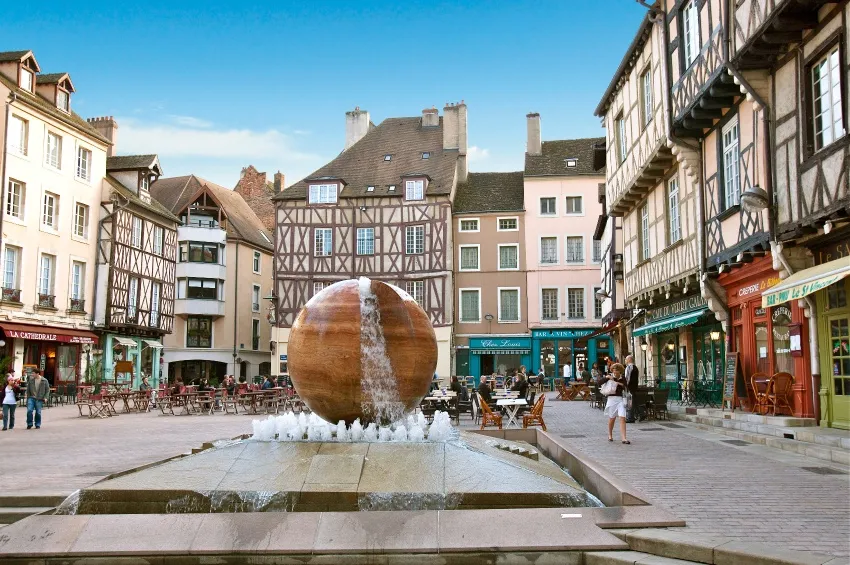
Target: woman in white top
[(10, 401)]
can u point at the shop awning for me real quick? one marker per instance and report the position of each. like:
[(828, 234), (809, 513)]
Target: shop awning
[(47, 333), (124, 341), (152, 344), (500, 351), (666, 324), (607, 328), (807, 281)]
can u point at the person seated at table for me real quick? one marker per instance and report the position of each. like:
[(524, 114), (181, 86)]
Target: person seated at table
[(178, 386), (521, 386), (205, 385), (456, 387), (485, 391), (583, 373), (230, 385), (267, 383), (144, 385)]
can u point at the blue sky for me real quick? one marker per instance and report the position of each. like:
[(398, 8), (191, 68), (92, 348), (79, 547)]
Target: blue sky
[(214, 86)]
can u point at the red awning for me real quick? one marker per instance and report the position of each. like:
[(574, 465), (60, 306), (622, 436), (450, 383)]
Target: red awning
[(47, 333), (603, 330)]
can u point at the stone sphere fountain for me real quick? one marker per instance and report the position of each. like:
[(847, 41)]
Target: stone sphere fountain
[(362, 349)]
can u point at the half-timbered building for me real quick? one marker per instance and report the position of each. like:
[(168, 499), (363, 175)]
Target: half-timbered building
[(381, 209)]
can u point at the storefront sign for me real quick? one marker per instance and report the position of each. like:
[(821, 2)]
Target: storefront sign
[(543, 334), (800, 291), (500, 343), (832, 252), (47, 336), (758, 287), (690, 303)]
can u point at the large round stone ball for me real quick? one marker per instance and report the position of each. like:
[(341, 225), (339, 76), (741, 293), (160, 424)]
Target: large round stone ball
[(362, 349)]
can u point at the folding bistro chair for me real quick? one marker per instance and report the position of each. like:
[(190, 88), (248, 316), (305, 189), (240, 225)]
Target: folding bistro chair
[(535, 417), (488, 417)]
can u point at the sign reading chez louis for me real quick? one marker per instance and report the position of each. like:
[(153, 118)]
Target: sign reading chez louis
[(680, 307), (500, 343)]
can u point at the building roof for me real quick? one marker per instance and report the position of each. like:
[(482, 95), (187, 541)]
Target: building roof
[(50, 78), (242, 223), (626, 64), (363, 165), (71, 119), (490, 192), (552, 161), (7, 56), (153, 206), (129, 162)]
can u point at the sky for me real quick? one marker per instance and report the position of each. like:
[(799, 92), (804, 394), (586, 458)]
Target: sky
[(212, 87)]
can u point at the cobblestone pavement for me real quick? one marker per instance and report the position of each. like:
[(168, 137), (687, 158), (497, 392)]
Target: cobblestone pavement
[(751, 492)]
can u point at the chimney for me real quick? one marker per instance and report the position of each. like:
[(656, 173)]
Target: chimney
[(356, 126), (108, 128), (534, 146), (455, 137), (430, 117), (278, 182)]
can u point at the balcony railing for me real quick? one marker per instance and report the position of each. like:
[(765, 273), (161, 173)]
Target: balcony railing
[(11, 295), (77, 305), (46, 300)]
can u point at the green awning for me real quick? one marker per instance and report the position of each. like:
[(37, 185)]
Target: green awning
[(500, 351), (667, 324)]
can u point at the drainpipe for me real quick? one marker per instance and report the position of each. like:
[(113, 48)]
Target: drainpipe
[(236, 308), (12, 98)]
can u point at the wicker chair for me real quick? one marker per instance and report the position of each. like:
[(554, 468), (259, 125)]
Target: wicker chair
[(488, 417), (658, 407), (760, 385), (779, 392), (535, 417)]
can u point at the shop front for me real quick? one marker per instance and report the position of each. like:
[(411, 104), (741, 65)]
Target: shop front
[(126, 360), (56, 351), (494, 354), (553, 349), (770, 336)]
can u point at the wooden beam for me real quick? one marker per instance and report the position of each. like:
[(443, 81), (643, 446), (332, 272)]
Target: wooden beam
[(796, 22), (691, 123), (724, 90), (780, 37), (709, 103)]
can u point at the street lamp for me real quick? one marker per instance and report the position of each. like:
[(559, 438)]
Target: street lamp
[(755, 199), (489, 318), (715, 335)]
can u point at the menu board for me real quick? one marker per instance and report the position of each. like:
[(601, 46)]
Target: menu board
[(733, 381)]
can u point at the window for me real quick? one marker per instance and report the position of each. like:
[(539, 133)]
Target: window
[(136, 235), (11, 260), (646, 96), (597, 251), (78, 279), (199, 331), (255, 264), (827, 112), (469, 260), (509, 305), (199, 253), (81, 220), (365, 241), (158, 236), (145, 182), (319, 287), (322, 193), (388, 157), (255, 334), (370, 188), (416, 289), (18, 135), (508, 257), (414, 190), (323, 242), (548, 206), (50, 211), (508, 224), (255, 298), (26, 79), (469, 225), (549, 304), (470, 305), (690, 32), (15, 199), (575, 249), (673, 224), (45, 278), (731, 176), (53, 155), (155, 292), (621, 138), (83, 163), (645, 253), (575, 303), (573, 205), (414, 237), (392, 188), (133, 300), (63, 100), (206, 289), (426, 154), (571, 163), (548, 250), (597, 303)]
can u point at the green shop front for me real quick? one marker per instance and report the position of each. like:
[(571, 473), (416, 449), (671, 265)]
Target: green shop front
[(552, 349), (126, 359), (503, 355)]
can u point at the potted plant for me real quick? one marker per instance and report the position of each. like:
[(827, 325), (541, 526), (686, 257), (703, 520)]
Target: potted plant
[(94, 374)]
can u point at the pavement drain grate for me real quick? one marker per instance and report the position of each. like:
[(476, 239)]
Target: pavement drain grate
[(823, 471), (735, 442), (672, 425), (572, 436)]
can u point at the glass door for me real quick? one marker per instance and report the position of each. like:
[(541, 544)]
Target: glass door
[(839, 339)]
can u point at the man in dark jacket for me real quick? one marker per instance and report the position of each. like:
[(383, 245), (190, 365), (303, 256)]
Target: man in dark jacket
[(521, 386), (484, 391), (632, 386), (38, 389)]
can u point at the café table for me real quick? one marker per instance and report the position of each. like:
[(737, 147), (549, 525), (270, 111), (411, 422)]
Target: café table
[(125, 396), (187, 401), (253, 397), (511, 406)]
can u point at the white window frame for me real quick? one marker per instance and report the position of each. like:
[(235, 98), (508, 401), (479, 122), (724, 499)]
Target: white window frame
[(257, 262), (411, 288), (410, 233), (133, 298), (583, 302), (51, 160), (674, 221), (327, 241), (460, 305), (364, 246), (540, 207), (136, 232), (557, 303), (67, 106), (477, 247), (414, 190), (833, 110), (158, 240), (518, 304), (643, 226), (691, 42), (596, 251), (50, 280), (460, 222), (499, 223), (16, 254), (29, 86), (255, 294), (622, 147), (557, 260), (322, 193), (319, 286), (597, 300), (646, 95), (499, 256), (731, 163), (83, 166), (567, 261), (156, 297), (581, 202), (19, 136), (77, 288), (55, 211), (20, 196), (85, 233)]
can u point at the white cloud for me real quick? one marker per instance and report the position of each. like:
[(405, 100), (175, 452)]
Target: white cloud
[(190, 121), (476, 154)]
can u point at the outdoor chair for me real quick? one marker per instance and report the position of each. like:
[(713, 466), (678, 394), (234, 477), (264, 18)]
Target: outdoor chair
[(453, 409), (428, 410), (535, 417), (465, 406), (229, 402), (522, 410), (271, 403), (476, 408), (488, 417), (563, 391), (639, 404), (166, 402), (779, 392), (760, 384), (658, 406), (206, 403)]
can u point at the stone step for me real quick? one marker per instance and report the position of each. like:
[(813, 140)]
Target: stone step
[(28, 500), (629, 558), (12, 515)]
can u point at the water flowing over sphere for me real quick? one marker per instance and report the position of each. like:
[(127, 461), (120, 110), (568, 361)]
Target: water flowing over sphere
[(362, 349)]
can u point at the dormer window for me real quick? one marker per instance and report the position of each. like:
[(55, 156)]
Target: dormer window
[(26, 79), (370, 188), (388, 157), (571, 163), (426, 154), (323, 193), (63, 100), (392, 188), (145, 183), (414, 190)]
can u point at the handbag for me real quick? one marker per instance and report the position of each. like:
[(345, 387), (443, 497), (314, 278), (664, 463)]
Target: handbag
[(609, 388)]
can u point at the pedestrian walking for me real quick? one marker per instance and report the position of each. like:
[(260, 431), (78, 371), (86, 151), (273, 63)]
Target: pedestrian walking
[(614, 406), (10, 401), (38, 389), (631, 375)]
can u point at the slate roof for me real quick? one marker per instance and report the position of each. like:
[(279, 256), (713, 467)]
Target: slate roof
[(626, 64), (7, 56), (128, 162), (176, 193), (552, 161), (363, 164), (153, 206), (490, 192)]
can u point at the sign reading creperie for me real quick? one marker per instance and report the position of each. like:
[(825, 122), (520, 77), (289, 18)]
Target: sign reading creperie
[(47, 336), (758, 287)]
